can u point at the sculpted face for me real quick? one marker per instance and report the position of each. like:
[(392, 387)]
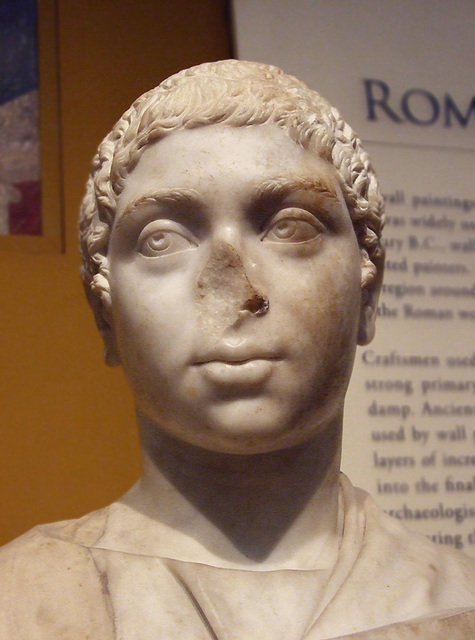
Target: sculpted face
[(235, 285)]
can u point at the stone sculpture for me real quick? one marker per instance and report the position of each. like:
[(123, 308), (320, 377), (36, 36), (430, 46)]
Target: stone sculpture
[(231, 240)]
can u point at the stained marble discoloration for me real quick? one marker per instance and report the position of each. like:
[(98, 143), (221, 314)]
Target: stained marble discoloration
[(224, 293)]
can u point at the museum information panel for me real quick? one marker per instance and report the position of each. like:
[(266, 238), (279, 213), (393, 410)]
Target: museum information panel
[(403, 75)]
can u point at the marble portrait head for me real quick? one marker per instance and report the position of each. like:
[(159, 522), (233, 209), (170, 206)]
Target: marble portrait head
[(192, 146)]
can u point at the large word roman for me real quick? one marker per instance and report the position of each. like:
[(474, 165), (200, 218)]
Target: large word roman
[(417, 106)]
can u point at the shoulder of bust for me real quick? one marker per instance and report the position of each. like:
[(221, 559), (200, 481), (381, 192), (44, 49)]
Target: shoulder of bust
[(453, 625), (412, 564), (49, 575)]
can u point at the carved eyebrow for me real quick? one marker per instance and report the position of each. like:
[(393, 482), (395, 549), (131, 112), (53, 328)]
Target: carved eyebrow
[(175, 197), (281, 187)]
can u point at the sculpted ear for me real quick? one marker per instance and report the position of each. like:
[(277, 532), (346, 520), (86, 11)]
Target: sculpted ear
[(99, 301), (371, 281)]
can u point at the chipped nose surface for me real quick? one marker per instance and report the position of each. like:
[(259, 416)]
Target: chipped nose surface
[(224, 293)]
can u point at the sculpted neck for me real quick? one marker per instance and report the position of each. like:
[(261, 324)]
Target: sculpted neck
[(268, 508)]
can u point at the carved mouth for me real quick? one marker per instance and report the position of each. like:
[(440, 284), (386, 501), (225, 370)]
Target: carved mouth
[(236, 354), (238, 372), (236, 361)]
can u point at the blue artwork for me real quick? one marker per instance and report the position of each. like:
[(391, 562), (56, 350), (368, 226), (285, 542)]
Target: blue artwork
[(20, 186)]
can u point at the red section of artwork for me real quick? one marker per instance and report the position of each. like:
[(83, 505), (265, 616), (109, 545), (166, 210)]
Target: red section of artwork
[(25, 216)]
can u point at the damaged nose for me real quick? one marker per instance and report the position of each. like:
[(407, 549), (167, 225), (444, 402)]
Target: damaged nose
[(258, 305), (224, 293)]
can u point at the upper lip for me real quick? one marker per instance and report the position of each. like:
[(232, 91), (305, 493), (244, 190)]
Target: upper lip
[(235, 354)]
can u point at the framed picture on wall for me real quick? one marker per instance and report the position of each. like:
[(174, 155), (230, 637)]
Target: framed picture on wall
[(30, 184)]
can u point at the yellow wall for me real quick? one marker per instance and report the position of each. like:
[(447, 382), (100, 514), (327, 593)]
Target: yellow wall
[(67, 440)]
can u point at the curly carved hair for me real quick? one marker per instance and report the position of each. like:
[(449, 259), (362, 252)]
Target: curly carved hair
[(238, 94)]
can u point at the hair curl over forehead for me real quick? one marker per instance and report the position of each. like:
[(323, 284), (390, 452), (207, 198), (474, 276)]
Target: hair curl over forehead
[(237, 94)]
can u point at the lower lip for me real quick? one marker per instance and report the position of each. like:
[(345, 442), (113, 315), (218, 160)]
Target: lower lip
[(247, 373)]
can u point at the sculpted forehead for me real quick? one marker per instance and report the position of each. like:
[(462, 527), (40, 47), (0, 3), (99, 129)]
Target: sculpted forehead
[(222, 155)]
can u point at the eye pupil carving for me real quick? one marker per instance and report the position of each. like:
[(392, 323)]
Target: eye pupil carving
[(285, 229), (159, 241)]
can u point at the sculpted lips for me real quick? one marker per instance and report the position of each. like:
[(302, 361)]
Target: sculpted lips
[(237, 366)]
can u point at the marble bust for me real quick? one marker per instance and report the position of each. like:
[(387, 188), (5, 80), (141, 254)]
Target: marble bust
[(231, 236)]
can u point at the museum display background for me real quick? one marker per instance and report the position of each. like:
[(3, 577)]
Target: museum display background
[(68, 442)]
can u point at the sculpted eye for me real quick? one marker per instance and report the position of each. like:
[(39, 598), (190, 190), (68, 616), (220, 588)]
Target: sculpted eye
[(163, 238), (293, 226)]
